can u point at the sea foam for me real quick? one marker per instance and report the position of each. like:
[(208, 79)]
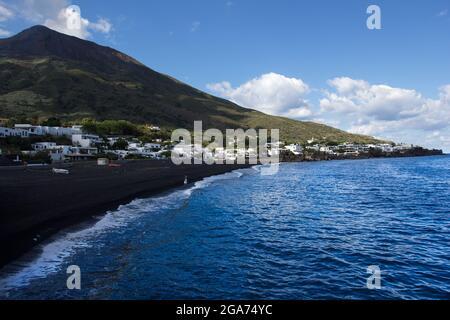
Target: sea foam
[(54, 252)]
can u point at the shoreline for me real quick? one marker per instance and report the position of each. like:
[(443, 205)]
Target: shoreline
[(38, 204), (44, 263), (24, 227)]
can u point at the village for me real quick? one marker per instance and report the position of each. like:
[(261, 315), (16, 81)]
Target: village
[(81, 145)]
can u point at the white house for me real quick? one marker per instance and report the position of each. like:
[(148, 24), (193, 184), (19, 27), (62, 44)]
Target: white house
[(134, 145), (60, 153), (315, 147), (122, 154), (82, 153), (403, 147), (53, 131), (32, 130), (41, 146), (386, 147), (328, 149), (78, 128), (8, 132), (152, 146), (295, 149), (85, 140)]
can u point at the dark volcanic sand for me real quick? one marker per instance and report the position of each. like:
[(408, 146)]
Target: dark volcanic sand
[(34, 201)]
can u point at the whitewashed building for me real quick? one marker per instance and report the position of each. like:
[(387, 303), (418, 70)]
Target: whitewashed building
[(82, 153), (42, 146), (53, 131), (403, 147), (386, 147), (86, 140), (60, 153), (315, 147), (295, 149), (134, 145), (152, 146), (9, 132)]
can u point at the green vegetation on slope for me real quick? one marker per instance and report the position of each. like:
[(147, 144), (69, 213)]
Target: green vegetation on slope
[(45, 74)]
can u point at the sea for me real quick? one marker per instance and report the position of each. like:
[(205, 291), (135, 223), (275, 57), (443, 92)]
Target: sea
[(361, 229)]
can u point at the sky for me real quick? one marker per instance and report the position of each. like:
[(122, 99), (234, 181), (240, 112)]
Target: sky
[(303, 59)]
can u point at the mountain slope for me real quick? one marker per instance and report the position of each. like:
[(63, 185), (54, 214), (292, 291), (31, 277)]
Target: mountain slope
[(44, 73)]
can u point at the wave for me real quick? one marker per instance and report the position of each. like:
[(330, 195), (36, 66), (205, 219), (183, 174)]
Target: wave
[(64, 245)]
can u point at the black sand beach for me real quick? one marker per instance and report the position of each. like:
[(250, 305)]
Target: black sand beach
[(36, 203)]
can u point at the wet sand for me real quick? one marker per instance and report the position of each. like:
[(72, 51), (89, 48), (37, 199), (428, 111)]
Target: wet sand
[(36, 203)]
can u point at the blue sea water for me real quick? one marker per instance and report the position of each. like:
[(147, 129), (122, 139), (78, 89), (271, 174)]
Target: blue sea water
[(309, 232)]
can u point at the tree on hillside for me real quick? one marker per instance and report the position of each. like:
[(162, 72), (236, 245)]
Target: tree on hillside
[(120, 144), (52, 122)]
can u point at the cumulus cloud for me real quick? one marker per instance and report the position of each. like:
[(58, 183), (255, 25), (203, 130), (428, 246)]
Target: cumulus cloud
[(64, 23), (384, 111), (70, 21), (61, 16), (5, 13), (379, 102), (355, 105), (102, 25), (270, 93)]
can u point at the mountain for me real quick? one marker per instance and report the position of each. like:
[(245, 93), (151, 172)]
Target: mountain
[(44, 74)]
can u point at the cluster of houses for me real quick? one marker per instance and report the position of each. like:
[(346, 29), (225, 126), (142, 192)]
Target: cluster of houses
[(350, 149), (28, 130), (84, 146), (345, 149)]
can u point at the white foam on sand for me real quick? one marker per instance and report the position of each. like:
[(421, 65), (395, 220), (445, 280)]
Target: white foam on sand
[(53, 253)]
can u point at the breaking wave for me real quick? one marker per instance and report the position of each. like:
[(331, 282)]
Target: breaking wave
[(58, 249)]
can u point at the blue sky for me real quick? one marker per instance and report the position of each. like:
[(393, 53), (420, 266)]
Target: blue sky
[(319, 55)]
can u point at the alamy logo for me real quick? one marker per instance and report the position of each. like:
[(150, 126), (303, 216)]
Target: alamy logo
[(374, 281), (74, 280), (374, 20), (236, 147)]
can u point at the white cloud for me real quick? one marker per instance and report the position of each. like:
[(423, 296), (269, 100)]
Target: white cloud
[(4, 33), (59, 16), (379, 102), (270, 93), (37, 11), (380, 110), (442, 13), (62, 23), (195, 26), (102, 25), (5, 13), (346, 85), (393, 113)]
